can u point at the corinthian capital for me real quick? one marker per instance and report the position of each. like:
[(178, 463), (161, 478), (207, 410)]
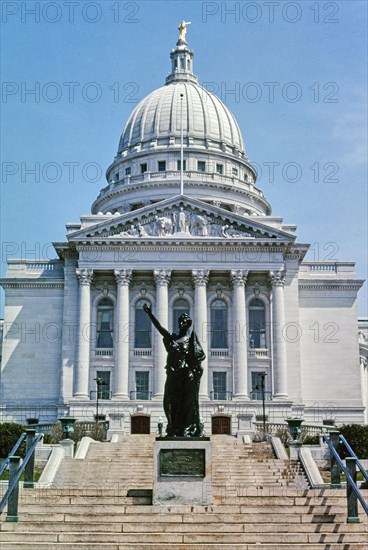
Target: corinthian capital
[(238, 277), (84, 276), (162, 276), (200, 277), (277, 278), (123, 277)]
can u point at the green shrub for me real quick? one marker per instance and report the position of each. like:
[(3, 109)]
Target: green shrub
[(284, 435), (96, 431), (357, 437), (9, 435), (311, 440)]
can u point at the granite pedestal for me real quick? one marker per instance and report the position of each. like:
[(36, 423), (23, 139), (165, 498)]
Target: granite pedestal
[(182, 471)]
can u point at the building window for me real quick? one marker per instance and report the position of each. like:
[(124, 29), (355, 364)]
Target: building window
[(245, 176), (184, 165), (201, 166), (257, 324), (162, 165), (219, 385), (117, 176), (220, 168), (143, 328), (256, 393), (104, 389), (235, 172), (128, 171), (180, 306), (105, 324), (219, 324), (143, 168), (142, 385)]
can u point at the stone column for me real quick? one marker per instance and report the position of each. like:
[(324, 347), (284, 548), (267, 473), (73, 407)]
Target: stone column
[(123, 278), (277, 279), (200, 280), (81, 374), (240, 338), (70, 322), (162, 280)]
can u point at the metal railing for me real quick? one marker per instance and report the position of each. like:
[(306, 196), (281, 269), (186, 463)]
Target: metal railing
[(143, 395), (221, 395), (256, 395), (12, 453), (15, 471), (353, 455), (102, 394), (353, 493)]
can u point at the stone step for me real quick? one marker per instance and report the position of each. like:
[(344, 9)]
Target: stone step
[(191, 538), (187, 546), (161, 527), (118, 507), (107, 516)]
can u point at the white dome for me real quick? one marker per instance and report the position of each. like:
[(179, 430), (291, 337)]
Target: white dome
[(147, 167), (182, 104), (157, 118)]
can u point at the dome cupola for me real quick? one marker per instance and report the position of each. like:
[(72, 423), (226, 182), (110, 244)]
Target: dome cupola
[(181, 114)]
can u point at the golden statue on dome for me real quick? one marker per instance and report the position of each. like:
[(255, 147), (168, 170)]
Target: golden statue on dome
[(183, 29)]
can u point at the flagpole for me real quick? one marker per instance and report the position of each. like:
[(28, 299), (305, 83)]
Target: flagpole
[(181, 147)]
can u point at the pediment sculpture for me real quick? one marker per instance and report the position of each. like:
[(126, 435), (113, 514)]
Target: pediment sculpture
[(182, 222)]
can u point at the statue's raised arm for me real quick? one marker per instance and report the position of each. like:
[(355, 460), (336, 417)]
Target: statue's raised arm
[(155, 321), (183, 29)]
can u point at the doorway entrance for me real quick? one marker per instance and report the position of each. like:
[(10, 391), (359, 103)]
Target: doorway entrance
[(221, 425), (140, 424)]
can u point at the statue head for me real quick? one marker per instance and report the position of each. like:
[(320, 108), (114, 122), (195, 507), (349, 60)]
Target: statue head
[(184, 321)]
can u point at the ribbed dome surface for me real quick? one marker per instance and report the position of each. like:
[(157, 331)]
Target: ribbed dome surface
[(158, 117)]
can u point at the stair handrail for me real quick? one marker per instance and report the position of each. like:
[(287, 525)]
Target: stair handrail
[(15, 480), (12, 452), (349, 479), (353, 455)]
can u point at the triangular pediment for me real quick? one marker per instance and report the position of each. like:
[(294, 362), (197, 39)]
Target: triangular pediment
[(181, 218)]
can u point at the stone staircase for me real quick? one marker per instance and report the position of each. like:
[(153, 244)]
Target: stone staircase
[(118, 467), (259, 502), (238, 468)]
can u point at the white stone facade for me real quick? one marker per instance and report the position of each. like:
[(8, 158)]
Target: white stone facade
[(214, 250)]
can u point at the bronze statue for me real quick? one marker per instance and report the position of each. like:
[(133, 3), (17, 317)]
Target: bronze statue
[(183, 376)]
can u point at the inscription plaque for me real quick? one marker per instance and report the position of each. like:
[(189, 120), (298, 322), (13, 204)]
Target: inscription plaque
[(182, 462)]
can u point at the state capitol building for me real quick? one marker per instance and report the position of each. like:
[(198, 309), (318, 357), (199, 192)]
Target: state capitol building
[(182, 226)]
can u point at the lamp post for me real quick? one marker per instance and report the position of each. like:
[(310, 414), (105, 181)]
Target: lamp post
[(99, 383), (262, 388)]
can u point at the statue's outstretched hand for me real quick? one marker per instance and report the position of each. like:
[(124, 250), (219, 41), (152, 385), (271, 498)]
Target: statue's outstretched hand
[(147, 308)]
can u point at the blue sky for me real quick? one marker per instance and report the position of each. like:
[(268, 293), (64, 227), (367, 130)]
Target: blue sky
[(293, 73)]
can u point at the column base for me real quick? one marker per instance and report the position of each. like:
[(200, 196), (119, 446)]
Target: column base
[(280, 397), (204, 397), (120, 397), (158, 397), (241, 396), (83, 396)]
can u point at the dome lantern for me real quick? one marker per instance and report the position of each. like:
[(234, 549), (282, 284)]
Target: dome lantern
[(182, 59)]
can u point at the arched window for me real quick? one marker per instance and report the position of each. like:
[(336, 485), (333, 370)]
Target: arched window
[(257, 324), (219, 324), (180, 306), (105, 323), (142, 324)]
